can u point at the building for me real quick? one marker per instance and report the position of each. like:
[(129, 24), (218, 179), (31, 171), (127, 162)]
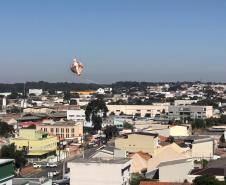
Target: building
[(63, 130), (167, 153), (37, 143), (36, 92), (190, 112), (32, 181), (76, 115), (184, 102), (6, 171), (175, 171), (167, 130), (139, 110), (136, 142), (202, 147), (100, 172), (139, 161), (214, 168), (172, 112)]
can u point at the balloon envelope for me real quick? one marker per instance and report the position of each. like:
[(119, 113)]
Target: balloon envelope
[(77, 67)]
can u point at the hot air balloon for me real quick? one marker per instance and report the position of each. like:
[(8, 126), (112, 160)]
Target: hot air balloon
[(77, 67)]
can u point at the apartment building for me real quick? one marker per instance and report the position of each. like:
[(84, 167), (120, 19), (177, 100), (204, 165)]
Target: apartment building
[(64, 130), (190, 111), (140, 110)]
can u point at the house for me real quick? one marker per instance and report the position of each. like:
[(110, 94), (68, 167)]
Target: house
[(100, 172), (6, 171), (202, 147), (139, 141), (63, 130), (139, 161), (167, 130), (214, 168), (167, 153), (38, 144), (175, 170)]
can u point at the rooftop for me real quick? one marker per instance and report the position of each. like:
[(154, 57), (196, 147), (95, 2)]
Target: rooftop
[(166, 163), (97, 160), (3, 161)]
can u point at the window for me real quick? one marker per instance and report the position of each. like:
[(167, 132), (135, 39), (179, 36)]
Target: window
[(62, 130), (52, 130), (72, 130)]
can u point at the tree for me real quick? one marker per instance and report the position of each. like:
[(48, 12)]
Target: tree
[(6, 130), (67, 96), (222, 139), (127, 125), (97, 122), (9, 151), (95, 110), (110, 131), (198, 123), (207, 180)]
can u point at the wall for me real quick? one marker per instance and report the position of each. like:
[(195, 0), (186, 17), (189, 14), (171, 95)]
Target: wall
[(96, 173), (202, 149), (136, 143), (176, 172)]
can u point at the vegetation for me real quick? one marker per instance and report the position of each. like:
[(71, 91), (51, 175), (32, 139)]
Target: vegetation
[(207, 180), (95, 110), (110, 132), (127, 125), (10, 152), (136, 179), (6, 130)]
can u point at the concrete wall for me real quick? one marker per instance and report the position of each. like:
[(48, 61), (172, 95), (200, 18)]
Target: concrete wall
[(202, 149), (136, 143), (179, 131), (176, 172), (97, 173)]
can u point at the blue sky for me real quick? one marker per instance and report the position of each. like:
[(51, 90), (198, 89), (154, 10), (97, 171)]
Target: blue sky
[(141, 40)]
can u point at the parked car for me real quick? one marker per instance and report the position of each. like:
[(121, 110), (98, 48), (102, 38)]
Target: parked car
[(51, 165), (35, 165)]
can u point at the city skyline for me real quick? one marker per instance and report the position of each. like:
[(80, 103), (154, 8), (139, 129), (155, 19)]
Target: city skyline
[(116, 41)]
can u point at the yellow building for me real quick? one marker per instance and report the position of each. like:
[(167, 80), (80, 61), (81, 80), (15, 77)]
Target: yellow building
[(136, 142), (37, 143)]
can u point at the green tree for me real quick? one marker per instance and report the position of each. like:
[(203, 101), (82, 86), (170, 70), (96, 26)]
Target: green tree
[(95, 110), (9, 151), (198, 123), (127, 125), (67, 96), (6, 130), (207, 180)]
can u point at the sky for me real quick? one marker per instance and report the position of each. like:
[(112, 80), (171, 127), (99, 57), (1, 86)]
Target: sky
[(117, 40)]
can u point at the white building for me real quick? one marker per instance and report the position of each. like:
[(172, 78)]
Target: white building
[(100, 91), (76, 115), (175, 171), (100, 172), (37, 92)]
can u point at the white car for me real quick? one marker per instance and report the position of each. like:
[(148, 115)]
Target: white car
[(51, 165), (35, 165)]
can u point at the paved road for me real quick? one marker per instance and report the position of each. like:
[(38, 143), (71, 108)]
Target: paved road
[(43, 172)]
